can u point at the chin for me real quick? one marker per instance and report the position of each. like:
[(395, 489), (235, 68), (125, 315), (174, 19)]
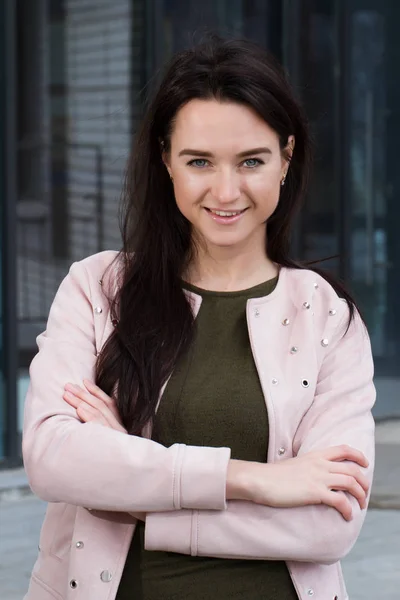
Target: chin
[(225, 241)]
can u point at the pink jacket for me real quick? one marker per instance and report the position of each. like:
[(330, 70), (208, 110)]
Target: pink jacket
[(94, 477)]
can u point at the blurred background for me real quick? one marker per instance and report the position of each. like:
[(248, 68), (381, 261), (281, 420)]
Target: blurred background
[(74, 74), (73, 78)]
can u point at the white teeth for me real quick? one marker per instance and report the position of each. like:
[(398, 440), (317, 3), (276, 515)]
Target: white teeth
[(223, 213)]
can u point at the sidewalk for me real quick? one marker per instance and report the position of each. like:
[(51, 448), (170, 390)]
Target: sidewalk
[(386, 486), (385, 490)]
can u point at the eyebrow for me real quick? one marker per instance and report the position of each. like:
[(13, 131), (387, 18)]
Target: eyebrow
[(206, 154)]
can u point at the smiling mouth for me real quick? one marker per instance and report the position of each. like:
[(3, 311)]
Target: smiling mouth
[(226, 213)]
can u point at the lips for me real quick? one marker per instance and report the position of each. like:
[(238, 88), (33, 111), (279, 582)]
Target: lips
[(226, 213), (225, 217)]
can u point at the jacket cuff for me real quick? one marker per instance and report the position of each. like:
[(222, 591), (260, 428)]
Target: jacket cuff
[(169, 531), (202, 477)]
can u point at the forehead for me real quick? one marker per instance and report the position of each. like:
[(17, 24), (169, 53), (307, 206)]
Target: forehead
[(207, 124)]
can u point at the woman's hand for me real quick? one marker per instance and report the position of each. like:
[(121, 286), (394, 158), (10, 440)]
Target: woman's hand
[(93, 405), (314, 478)]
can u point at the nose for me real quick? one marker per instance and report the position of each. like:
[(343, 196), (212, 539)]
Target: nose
[(226, 187)]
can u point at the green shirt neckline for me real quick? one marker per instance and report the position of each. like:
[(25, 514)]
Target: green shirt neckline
[(256, 291)]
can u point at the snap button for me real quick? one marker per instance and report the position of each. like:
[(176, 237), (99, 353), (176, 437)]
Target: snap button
[(285, 322), (79, 545), (73, 584), (310, 592), (105, 576), (332, 312), (281, 451), (98, 310), (294, 349), (305, 383), (256, 312), (274, 381), (324, 342), (306, 305)]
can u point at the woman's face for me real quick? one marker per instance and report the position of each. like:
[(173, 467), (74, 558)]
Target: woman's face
[(227, 168)]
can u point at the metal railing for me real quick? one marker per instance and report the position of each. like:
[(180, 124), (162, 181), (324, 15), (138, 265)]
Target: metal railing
[(60, 218)]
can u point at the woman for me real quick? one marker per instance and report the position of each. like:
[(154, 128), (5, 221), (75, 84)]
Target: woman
[(250, 479)]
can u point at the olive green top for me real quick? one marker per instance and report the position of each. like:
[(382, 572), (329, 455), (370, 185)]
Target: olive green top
[(214, 398)]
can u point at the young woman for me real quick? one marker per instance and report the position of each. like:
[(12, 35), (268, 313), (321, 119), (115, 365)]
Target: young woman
[(199, 415)]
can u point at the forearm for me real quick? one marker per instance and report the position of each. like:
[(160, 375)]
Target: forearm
[(254, 532), (96, 467)]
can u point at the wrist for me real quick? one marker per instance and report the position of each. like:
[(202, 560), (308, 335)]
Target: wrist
[(239, 479)]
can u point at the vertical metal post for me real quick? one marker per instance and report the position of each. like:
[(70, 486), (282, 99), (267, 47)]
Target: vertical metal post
[(9, 255), (99, 196), (292, 55), (342, 141)]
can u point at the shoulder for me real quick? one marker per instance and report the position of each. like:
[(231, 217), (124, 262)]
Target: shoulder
[(96, 264), (102, 267), (309, 291), (305, 285)]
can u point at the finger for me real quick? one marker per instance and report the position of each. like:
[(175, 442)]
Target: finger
[(352, 470), (98, 392), (85, 396), (345, 452), (72, 399), (339, 501), (76, 390), (108, 402), (347, 483), (108, 415), (87, 414)]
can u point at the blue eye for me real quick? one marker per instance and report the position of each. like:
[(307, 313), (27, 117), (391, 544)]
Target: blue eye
[(254, 162), (198, 162)]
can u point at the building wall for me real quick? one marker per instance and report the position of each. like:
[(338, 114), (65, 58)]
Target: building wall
[(81, 67), (101, 81)]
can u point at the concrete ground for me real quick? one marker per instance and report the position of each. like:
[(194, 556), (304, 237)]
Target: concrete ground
[(371, 569)]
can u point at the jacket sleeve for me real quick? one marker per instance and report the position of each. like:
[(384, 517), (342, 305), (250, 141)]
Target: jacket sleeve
[(339, 414), (87, 464)]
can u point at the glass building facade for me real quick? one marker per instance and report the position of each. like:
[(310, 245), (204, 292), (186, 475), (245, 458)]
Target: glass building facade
[(74, 74)]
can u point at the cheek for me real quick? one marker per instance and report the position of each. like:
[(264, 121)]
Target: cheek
[(264, 190), (188, 190)]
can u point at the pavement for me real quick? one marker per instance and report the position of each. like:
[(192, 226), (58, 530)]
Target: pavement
[(386, 486), (371, 569)]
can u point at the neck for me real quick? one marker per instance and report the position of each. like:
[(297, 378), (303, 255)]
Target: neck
[(227, 268)]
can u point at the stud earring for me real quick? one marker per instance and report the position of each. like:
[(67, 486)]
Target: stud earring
[(283, 179)]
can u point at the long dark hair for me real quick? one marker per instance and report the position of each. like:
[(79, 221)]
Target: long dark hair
[(153, 319)]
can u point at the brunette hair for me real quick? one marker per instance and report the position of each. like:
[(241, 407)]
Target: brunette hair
[(153, 317)]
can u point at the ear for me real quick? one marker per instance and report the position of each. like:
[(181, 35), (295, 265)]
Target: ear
[(288, 152), (290, 145), (166, 160)]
